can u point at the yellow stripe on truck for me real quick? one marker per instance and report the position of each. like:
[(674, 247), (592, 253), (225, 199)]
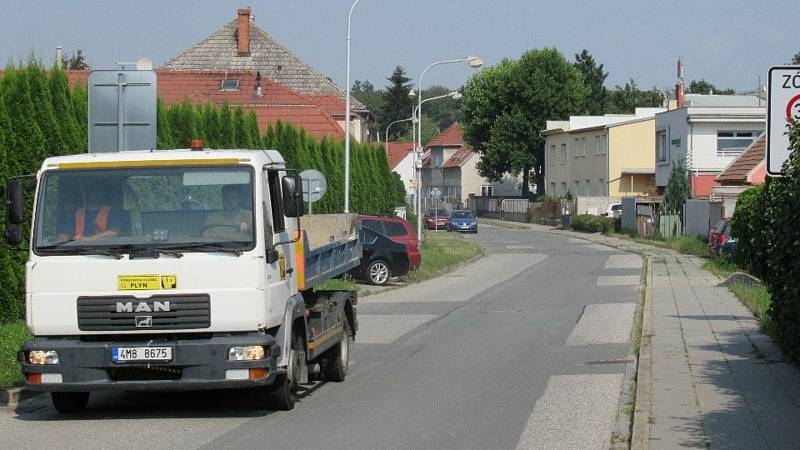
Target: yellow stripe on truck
[(148, 163)]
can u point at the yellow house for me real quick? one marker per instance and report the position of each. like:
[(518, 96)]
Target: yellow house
[(601, 156)]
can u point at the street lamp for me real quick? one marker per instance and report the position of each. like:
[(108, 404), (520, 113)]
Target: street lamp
[(474, 63), (387, 131), (347, 119)]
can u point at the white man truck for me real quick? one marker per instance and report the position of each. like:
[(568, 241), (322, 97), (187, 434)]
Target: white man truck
[(180, 270)]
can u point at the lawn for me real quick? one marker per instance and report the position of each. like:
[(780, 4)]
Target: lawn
[(757, 299), (443, 252), (12, 335)]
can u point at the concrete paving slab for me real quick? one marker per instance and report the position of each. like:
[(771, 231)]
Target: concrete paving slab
[(604, 324), (519, 247), (576, 411)]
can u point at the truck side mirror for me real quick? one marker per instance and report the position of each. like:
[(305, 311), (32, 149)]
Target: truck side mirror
[(292, 196), (14, 202)]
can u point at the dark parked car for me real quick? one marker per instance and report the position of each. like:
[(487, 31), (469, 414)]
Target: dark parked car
[(398, 230), (436, 219), (463, 220), (382, 258), (720, 241)]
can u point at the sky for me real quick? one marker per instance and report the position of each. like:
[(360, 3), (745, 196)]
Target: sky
[(729, 43)]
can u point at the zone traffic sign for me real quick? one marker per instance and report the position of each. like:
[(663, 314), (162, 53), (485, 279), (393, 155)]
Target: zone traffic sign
[(783, 108)]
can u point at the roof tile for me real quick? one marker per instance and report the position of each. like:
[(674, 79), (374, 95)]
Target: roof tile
[(451, 137), (736, 172), (398, 151)]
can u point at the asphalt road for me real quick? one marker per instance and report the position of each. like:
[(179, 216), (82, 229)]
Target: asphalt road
[(522, 349)]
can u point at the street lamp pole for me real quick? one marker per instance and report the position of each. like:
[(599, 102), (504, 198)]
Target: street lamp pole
[(347, 119), (387, 132), (474, 62)]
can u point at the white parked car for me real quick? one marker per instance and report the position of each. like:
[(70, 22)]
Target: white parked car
[(614, 210)]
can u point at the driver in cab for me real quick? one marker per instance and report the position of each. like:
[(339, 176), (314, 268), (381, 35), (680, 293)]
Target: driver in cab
[(96, 220), (233, 222)]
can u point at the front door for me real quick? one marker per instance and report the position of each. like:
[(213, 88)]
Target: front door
[(281, 280)]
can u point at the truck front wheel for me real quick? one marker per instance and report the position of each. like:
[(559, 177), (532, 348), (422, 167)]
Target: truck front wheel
[(69, 402), (337, 361), (284, 391)]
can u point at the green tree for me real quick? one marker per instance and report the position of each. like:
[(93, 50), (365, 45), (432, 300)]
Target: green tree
[(43, 108), (397, 104), (594, 77), (69, 129), (444, 111), (227, 133), (28, 138), (625, 99), (704, 87), (80, 106), (796, 58), (506, 106), (163, 128), (677, 190), (373, 99), (430, 129), (76, 61)]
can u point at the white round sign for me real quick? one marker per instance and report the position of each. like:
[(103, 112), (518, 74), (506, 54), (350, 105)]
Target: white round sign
[(314, 185)]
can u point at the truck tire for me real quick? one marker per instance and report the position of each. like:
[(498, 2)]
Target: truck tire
[(69, 402), (283, 392), (337, 361)]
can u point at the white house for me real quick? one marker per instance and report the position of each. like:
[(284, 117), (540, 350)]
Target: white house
[(709, 131), (401, 161)]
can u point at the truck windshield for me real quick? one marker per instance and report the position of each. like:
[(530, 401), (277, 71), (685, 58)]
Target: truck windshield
[(177, 208)]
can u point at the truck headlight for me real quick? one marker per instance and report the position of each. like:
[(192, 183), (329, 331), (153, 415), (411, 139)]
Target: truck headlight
[(41, 357), (246, 353)]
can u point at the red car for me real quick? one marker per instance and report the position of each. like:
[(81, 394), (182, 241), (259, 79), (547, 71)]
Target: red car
[(437, 219), (398, 230)]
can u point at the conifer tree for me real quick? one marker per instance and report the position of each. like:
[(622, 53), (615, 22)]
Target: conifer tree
[(39, 90), (163, 129), (28, 137), (227, 134), (69, 128), (80, 106)]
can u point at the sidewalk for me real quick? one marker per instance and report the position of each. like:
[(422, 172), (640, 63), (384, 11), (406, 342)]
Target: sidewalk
[(707, 377)]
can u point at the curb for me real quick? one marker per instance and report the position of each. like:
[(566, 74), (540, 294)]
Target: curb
[(640, 436), (12, 398)]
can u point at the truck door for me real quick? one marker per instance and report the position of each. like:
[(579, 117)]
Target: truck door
[(280, 274)]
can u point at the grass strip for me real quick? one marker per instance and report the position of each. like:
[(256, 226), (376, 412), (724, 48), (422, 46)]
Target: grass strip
[(12, 335)]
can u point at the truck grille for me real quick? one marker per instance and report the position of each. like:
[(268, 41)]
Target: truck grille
[(162, 312)]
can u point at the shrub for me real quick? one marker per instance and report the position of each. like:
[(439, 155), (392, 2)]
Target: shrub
[(780, 202), (594, 224), (744, 227)]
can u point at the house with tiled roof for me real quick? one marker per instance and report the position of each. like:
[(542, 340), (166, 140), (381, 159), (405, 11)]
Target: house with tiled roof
[(401, 161), (241, 45), (271, 101), (747, 170), (451, 167)]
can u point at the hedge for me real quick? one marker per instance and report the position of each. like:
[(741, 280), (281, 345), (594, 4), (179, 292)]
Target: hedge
[(594, 224), (769, 244), (42, 116)]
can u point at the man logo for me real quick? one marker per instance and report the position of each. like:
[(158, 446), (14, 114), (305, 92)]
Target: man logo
[(142, 307), (144, 321)]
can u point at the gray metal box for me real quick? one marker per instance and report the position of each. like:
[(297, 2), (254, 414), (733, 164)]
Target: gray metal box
[(122, 110)]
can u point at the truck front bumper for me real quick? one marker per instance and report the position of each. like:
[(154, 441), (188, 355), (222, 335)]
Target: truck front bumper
[(197, 364)]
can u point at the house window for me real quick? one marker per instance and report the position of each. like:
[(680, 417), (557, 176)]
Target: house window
[(576, 148), (487, 191), (577, 187), (661, 145), (563, 188), (583, 146), (552, 189), (552, 156), (603, 187), (733, 143), (597, 145), (588, 188), (563, 154), (229, 85), (603, 144)]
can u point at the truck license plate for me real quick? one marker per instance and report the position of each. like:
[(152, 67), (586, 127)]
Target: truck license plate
[(127, 354)]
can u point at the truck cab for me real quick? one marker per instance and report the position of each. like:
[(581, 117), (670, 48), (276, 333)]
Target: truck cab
[(181, 270)]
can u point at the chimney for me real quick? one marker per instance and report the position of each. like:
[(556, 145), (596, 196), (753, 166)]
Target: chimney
[(243, 31), (680, 87), (59, 57)]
